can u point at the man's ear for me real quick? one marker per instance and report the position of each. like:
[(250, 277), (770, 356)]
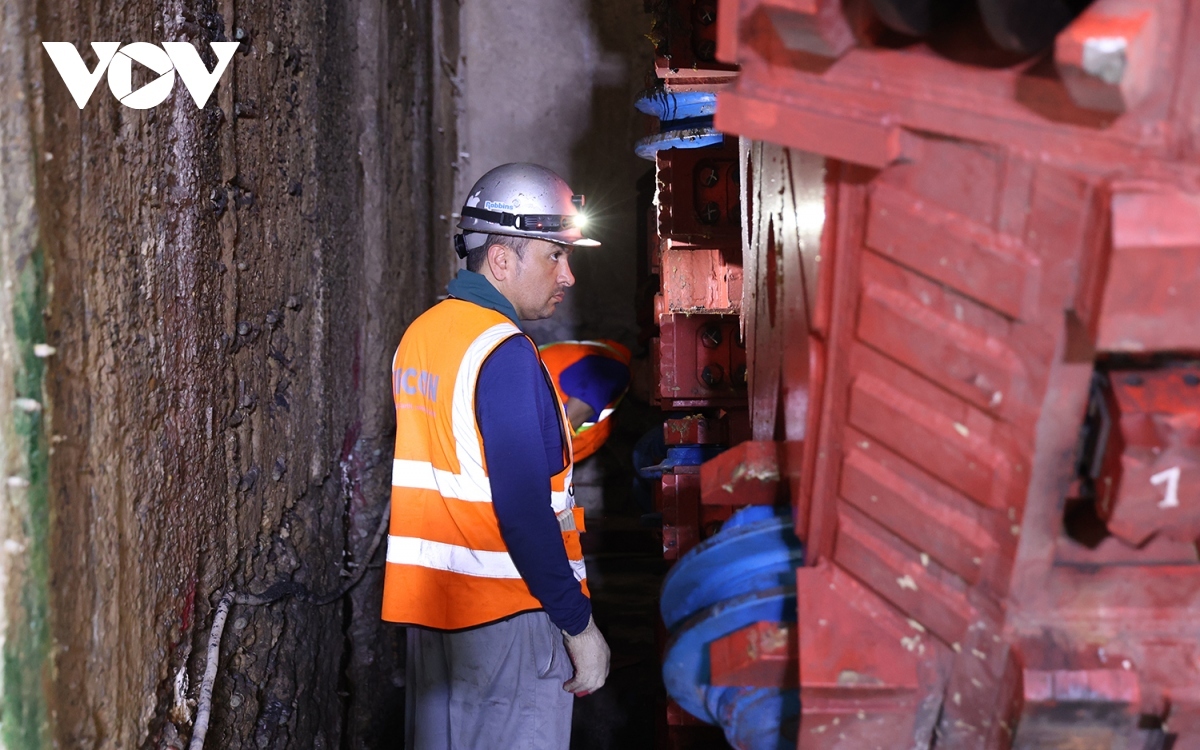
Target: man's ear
[(498, 258)]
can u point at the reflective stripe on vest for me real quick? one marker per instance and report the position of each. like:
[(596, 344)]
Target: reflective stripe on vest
[(447, 564), (406, 550)]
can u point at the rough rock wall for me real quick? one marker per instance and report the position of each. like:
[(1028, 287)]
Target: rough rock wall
[(224, 289)]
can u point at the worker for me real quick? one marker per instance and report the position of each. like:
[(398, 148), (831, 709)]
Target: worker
[(484, 562), (590, 377)]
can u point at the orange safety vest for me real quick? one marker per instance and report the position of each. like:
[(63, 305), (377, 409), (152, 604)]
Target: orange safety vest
[(562, 354), (447, 565)]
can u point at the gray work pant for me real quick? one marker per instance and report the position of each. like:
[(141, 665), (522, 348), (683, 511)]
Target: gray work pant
[(497, 686)]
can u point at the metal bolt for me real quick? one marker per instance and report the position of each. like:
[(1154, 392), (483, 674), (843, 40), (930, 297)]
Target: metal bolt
[(711, 213), (710, 336), (706, 50), (713, 375), (709, 177), (1191, 379), (706, 14), (1133, 380)]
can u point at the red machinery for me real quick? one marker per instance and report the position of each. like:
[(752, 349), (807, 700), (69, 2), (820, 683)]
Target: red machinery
[(970, 283)]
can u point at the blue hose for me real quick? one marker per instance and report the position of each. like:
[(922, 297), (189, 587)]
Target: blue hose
[(745, 573), (677, 105)]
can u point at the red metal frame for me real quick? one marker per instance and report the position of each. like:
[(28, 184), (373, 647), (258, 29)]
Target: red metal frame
[(1150, 468), (699, 356), (994, 232)]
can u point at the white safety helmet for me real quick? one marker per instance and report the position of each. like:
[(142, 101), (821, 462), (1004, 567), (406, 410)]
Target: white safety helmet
[(521, 200)]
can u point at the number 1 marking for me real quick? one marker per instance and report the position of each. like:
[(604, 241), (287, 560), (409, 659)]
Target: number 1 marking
[(1171, 478)]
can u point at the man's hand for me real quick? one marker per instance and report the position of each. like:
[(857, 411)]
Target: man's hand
[(589, 653), (578, 412)]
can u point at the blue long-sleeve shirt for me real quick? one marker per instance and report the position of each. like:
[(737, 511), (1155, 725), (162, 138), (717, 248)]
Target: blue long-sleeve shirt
[(523, 444)]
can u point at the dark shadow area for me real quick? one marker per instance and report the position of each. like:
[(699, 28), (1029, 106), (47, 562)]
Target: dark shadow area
[(1081, 520), (1109, 424), (607, 170), (962, 36), (624, 558), (625, 572), (1082, 524)]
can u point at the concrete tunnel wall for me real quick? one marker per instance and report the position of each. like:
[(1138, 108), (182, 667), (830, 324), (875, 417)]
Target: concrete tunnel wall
[(223, 289), (553, 82)]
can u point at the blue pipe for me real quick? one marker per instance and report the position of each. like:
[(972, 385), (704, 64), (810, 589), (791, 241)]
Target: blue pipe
[(695, 137), (687, 671), (755, 550), (745, 573), (677, 105)]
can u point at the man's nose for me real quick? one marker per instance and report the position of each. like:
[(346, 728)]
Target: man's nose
[(565, 277)]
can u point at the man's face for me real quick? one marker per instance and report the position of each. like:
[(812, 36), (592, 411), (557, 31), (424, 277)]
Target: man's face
[(540, 279)]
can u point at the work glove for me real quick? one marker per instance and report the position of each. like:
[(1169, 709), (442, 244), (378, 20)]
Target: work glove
[(589, 653)]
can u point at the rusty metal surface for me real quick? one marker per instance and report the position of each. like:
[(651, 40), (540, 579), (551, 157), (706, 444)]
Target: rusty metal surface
[(694, 233), (702, 361), (702, 280), (1151, 300), (863, 107), (698, 196), (865, 673), (696, 429), (995, 228), (1108, 56), (747, 474), (1150, 467), (759, 655), (818, 27), (684, 33), (1084, 708), (679, 503)]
